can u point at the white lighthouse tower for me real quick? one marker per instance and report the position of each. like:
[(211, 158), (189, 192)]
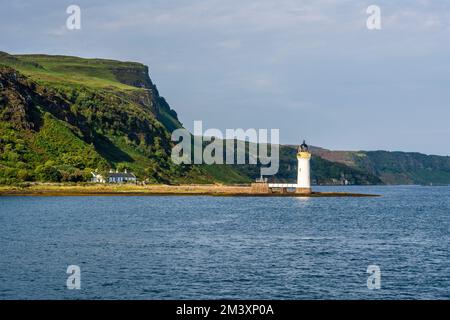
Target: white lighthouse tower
[(303, 170)]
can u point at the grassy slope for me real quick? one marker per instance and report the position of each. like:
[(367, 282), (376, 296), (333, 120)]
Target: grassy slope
[(95, 73)]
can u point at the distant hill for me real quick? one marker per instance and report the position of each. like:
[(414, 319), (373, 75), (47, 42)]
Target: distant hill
[(323, 171), (62, 117), (394, 167)]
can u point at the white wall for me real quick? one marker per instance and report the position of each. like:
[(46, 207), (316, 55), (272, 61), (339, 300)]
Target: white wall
[(303, 173)]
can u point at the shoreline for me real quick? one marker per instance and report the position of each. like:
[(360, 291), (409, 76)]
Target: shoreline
[(53, 190)]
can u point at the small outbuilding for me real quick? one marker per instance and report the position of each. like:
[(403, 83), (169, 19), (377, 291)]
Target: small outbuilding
[(97, 178)]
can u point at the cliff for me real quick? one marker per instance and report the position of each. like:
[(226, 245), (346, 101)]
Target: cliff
[(61, 117)]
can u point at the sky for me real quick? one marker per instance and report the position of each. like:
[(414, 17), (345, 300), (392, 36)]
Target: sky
[(311, 68)]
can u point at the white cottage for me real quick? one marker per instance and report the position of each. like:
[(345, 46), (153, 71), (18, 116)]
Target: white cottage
[(121, 177)]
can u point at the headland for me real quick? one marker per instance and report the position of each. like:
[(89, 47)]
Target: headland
[(57, 189)]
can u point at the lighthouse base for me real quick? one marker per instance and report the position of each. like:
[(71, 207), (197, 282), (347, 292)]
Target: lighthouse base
[(303, 190), (260, 187)]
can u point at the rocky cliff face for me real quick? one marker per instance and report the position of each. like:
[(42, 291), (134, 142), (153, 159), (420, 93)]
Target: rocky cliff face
[(112, 112), (16, 99)]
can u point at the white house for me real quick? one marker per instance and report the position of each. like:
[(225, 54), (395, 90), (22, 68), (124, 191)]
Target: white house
[(121, 177)]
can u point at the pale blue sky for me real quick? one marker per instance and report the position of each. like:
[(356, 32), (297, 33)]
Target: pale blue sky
[(309, 68)]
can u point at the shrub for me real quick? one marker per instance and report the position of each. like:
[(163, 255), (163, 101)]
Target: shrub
[(47, 173)]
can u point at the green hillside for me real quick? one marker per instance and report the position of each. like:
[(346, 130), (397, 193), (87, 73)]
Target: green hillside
[(62, 117), (95, 73), (394, 167)]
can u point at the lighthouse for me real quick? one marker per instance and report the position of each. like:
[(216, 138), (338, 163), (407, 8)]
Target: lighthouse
[(303, 170)]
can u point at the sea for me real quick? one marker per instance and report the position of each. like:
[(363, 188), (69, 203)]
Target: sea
[(395, 246)]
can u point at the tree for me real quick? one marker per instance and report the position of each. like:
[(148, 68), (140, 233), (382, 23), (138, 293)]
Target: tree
[(48, 173)]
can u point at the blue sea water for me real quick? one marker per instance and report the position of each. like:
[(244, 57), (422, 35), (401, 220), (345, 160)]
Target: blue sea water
[(228, 248)]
